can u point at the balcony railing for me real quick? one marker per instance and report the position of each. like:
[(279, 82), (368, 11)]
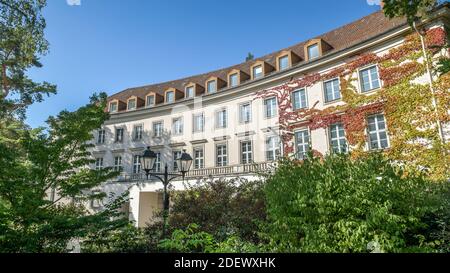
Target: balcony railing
[(242, 169)]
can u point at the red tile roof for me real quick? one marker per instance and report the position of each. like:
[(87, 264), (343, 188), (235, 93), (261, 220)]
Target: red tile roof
[(339, 39)]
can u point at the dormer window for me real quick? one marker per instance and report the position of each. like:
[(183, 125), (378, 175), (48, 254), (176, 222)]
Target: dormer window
[(283, 62), (113, 107), (190, 92), (170, 96), (313, 51), (211, 86), (257, 72), (234, 80), (150, 100), (131, 104)]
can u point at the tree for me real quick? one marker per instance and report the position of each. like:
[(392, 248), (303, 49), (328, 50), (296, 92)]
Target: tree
[(216, 207), (413, 10), (249, 57), (56, 160), (22, 42), (340, 205)]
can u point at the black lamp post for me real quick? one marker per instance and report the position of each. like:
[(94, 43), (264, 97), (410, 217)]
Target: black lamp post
[(184, 163)]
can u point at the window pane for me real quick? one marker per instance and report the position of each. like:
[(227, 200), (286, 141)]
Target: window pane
[(234, 79), (332, 90), (302, 143), (257, 72), (170, 96), (283, 62), (313, 51), (131, 104), (299, 99), (190, 92), (150, 100), (211, 85)]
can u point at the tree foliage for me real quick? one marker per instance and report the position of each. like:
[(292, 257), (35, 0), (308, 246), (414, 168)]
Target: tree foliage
[(413, 10), (54, 161), (22, 43), (217, 206), (340, 205)]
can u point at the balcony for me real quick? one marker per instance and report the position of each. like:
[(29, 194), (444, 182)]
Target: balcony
[(233, 170)]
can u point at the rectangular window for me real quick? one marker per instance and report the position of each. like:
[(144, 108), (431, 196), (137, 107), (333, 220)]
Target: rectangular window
[(221, 119), (113, 107), (175, 156), (221, 155), (119, 134), (158, 129), (283, 62), (170, 96), (136, 164), (138, 132), (198, 158), (132, 104), (270, 107), (177, 126), (234, 80), (313, 51), (257, 72), (199, 123), (332, 90), (338, 143), (245, 112), (211, 86), (101, 136), (158, 162), (190, 92), (150, 100), (369, 79), (246, 152), (378, 138), (118, 164), (302, 143), (99, 163), (272, 148), (299, 99)]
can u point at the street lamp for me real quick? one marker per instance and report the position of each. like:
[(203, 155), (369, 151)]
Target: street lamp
[(184, 163)]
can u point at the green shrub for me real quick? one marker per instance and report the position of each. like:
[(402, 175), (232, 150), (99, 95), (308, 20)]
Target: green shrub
[(341, 205), (188, 241)]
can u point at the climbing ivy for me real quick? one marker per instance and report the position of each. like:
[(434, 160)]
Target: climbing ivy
[(406, 103)]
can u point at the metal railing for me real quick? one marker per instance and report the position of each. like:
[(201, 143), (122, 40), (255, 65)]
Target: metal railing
[(241, 169)]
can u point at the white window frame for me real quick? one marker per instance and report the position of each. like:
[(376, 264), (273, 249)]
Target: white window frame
[(158, 162), (118, 163), (361, 85), (116, 104), (98, 163), (275, 110), (198, 162), (308, 52), (116, 139), (177, 130), (341, 140), (241, 105), (223, 156), (237, 79), (208, 90), (377, 131), (279, 62), (154, 100), (136, 164), (218, 118), (272, 148), (167, 96), (306, 99), (247, 157), (333, 91), (306, 146), (135, 104), (174, 159), (138, 134), (157, 133), (194, 123), (186, 90), (254, 69), (101, 136)]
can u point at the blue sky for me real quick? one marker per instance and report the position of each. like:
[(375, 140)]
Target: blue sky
[(111, 45)]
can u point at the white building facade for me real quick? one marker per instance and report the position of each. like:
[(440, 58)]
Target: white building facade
[(227, 129)]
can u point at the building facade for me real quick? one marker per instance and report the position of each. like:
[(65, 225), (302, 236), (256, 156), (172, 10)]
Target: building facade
[(232, 122)]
